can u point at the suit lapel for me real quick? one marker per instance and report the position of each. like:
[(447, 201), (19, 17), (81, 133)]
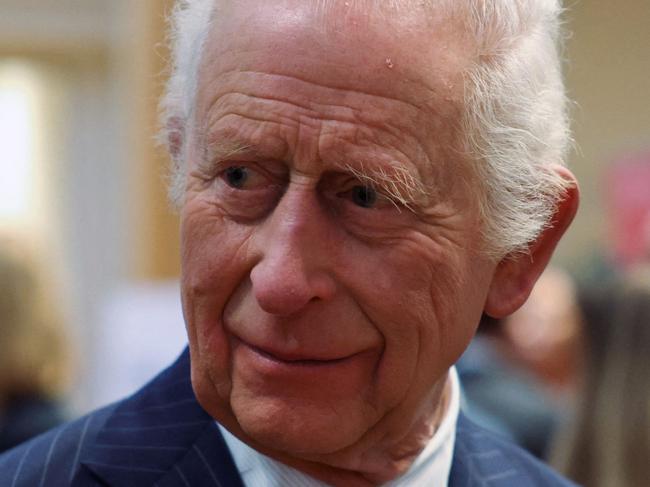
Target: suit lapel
[(206, 463), (162, 435), (478, 461)]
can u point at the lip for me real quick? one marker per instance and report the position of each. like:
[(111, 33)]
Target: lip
[(293, 358), (296, 359)]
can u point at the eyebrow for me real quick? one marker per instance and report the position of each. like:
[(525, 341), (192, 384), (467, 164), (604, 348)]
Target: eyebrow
[(225, 144), (214, 152)]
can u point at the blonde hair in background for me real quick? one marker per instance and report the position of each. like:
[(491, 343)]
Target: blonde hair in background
[(34, 350)]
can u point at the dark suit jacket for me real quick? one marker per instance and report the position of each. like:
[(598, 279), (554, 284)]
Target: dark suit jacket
[(161, 436), (25, 416)]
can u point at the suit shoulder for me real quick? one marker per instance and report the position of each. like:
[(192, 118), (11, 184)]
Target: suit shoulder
[(52, 457), (481, 456)]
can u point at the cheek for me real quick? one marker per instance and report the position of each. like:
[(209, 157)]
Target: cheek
[(213, 264), (426, 304), (214, 252), (386, 287)]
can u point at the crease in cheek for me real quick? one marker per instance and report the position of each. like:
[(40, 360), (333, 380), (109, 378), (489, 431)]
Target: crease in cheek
[(395, 369), (213, 347), (418, 332), (213, 263), (391, 315), (212, 370), (222, 365), (456, 323)]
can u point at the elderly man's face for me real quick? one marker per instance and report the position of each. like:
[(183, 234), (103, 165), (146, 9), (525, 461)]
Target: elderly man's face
[(331, 272)]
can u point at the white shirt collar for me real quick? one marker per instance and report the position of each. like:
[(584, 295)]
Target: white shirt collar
[(431, 467)]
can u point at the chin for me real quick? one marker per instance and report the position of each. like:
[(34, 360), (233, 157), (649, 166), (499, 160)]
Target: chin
[(299, 429)]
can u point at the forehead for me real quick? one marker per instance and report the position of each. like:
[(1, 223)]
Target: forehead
[(412, 53)]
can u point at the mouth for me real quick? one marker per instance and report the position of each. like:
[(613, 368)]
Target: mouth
[(271, 370), (293, 358)]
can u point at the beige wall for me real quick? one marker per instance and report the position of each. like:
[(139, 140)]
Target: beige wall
[(155, 224), (608, 76)]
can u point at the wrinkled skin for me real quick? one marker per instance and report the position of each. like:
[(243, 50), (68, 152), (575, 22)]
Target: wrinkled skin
[(323, 315)]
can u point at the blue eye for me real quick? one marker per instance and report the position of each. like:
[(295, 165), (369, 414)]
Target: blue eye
[(236, 176), (364, 196)]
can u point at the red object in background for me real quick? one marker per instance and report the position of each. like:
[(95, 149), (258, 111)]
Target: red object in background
[(628, 188)]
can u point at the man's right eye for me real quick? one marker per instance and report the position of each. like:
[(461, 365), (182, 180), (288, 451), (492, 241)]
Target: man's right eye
[(236, 176), (246, 178)]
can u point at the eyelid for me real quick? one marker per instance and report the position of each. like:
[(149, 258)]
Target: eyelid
[(383, 200), (219, 167), (211, 169)]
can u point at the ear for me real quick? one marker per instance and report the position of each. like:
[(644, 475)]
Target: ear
[(175, 136), (516, 274)]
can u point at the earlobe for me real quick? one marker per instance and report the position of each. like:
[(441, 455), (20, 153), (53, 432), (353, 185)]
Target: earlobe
[(516, 274)]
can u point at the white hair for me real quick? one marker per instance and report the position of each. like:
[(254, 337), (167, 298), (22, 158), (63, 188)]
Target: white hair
[(189, 24), (514, 120)]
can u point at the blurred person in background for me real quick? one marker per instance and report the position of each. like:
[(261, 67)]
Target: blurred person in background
[(34, 358), (544, 335), (607, 443), (518, 372)]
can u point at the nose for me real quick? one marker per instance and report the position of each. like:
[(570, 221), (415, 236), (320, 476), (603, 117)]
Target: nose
[(295, 248)]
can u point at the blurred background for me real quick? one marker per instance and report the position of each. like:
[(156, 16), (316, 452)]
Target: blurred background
[(82, 182), (82, 185)]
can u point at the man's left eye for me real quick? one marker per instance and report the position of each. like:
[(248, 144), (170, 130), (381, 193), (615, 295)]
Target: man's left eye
[(364, 196)]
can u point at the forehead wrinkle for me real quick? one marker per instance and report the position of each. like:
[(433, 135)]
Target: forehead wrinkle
[(264, 84), (360, 127), (215, 124)]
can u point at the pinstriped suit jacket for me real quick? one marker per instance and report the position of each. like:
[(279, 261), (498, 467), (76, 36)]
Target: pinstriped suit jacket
[(160, 436)]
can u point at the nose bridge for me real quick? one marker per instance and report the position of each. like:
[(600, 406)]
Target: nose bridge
[(294, 254), (298, 222)]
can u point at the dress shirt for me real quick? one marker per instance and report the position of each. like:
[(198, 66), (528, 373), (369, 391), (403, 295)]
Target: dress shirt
[(431, 467)]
